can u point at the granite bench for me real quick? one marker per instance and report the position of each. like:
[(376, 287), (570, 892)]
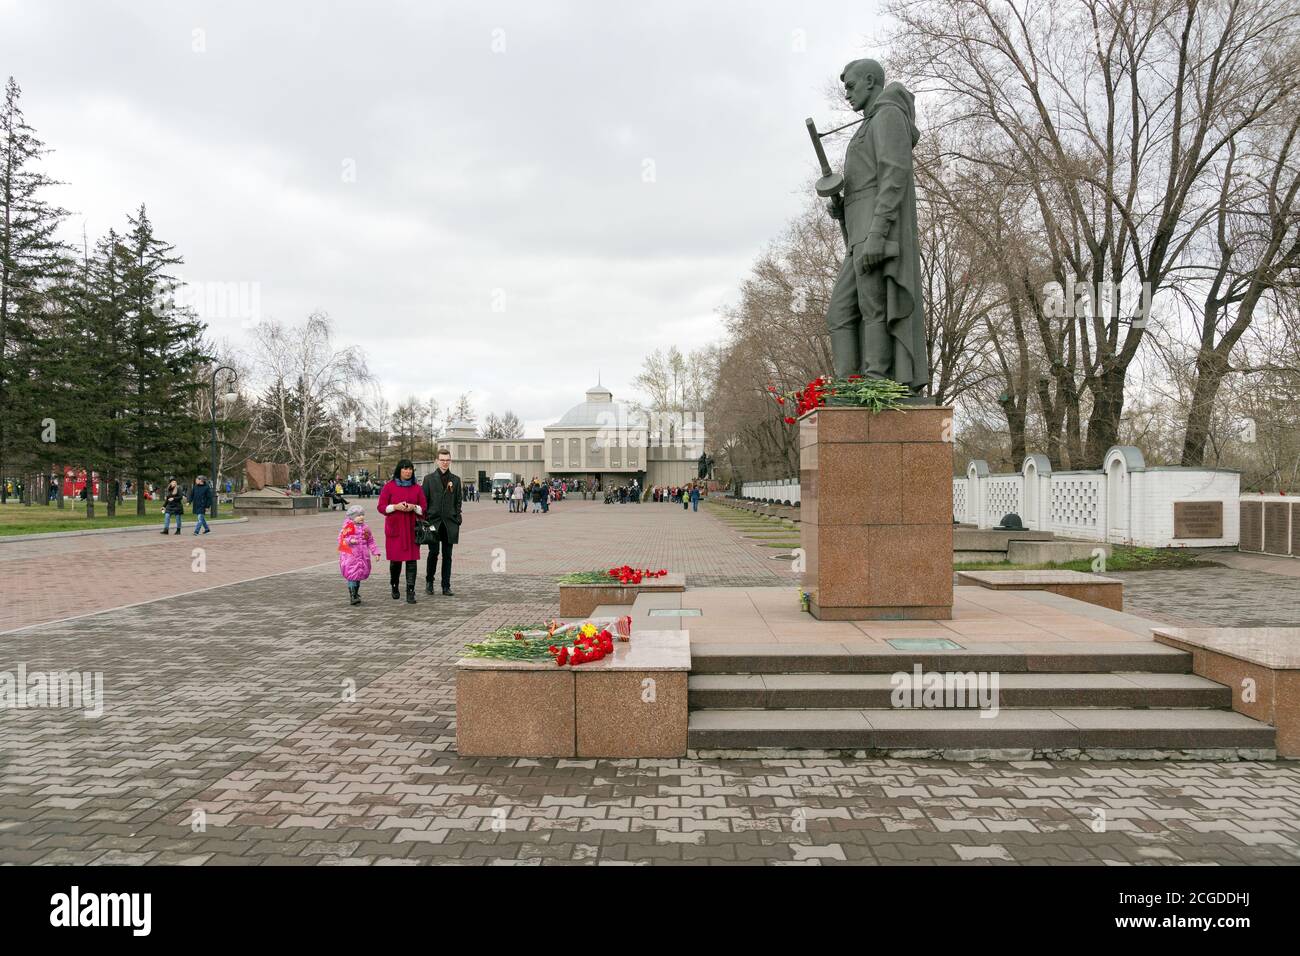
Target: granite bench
[(630, 704), (580, 600), (1092, 588)]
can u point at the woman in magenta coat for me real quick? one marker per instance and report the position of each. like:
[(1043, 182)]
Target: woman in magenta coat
[(401, 502)]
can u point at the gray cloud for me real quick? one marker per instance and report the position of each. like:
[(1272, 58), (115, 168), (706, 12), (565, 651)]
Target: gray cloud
[(478, 174)]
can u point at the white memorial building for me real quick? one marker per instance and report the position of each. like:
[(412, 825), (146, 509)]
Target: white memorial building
[(597, 439)]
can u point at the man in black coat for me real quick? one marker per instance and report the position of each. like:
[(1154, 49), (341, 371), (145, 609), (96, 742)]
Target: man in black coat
[(442, 492), (201, 500)]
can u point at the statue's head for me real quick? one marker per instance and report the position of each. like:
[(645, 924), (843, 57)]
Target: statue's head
[(862, 80)]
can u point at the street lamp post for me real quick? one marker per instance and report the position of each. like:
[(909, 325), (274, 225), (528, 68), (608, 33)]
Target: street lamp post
[(230, 396)]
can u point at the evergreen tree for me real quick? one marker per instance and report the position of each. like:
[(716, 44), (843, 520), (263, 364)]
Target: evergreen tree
[(163, 435), (98, 359), (29, 256)]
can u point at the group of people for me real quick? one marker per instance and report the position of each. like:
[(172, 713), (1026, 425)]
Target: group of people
[(353, 487), (436, 501), (622, 494), (688, 495), (537, 492), (199, 498)]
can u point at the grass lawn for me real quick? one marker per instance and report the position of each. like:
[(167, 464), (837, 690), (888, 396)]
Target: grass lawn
[(16, 518), (1122, 559)]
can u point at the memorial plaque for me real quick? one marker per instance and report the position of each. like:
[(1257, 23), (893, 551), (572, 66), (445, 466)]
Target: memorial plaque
[(1252, 526), (1198, 519), (1276, 527)]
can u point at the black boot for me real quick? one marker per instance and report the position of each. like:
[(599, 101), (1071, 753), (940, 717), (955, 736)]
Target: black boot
[(428, 585), (354, 592), (410, 585), (392, 579)]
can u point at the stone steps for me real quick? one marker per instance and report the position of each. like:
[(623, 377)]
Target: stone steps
[(1067, 657), (1117, 699), (867, 691), (1035, 730)]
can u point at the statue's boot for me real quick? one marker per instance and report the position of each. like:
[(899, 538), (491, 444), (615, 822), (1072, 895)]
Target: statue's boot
[(877, 350), (844, 352)]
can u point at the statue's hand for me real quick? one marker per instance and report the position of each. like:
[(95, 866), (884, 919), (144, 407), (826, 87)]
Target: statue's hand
[(870, 253), (835, 206)]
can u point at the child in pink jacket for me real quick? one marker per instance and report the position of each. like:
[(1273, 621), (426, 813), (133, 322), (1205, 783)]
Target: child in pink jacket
[(356, 547)]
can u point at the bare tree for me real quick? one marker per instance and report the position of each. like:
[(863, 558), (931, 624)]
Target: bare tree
[(1254, 251), (492, 427), (511, 426), (461, 411), (307, 383), (674, 382), (506, 425), (1114, 112)]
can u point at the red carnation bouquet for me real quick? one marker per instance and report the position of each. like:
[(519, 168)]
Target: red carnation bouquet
[(877, 394), (630, 575), (580, 643)]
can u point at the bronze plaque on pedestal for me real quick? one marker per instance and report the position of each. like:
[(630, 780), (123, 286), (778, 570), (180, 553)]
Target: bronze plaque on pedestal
[(1198, 519)]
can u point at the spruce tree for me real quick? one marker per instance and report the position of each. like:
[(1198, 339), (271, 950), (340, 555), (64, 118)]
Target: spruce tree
[(29, 257), (164, 344), (94, 356)]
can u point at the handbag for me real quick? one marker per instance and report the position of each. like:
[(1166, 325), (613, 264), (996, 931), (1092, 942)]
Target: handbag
[(424, 533)]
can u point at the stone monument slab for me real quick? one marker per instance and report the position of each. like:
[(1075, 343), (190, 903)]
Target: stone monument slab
[(877, 513)]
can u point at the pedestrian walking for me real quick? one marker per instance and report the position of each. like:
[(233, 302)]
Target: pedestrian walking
[(173, 506), (695, 497), (200, 502), (400, 502), (356, 548), (442, 491)]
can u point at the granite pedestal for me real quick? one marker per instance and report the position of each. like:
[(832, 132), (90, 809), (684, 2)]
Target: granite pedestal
[(876, 512)]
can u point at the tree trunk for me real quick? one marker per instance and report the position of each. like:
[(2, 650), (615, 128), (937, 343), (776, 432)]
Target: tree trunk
[(139, 495), (1053, 420), (1211, 367), (1014, 410), (1103, 424)]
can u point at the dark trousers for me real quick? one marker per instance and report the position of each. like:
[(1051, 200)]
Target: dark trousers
[(432, 565), (860, 339), (395, 572)]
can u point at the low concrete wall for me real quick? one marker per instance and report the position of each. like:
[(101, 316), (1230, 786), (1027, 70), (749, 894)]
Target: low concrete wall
[(1054, 552)]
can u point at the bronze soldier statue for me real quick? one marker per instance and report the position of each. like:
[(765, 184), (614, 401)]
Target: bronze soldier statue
[(875, 318)]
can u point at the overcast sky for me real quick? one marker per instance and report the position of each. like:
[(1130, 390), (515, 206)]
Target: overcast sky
[(496, 197)]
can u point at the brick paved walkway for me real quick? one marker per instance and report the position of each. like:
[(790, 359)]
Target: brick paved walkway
[(231, 734), (1203, 597), (55, 578)]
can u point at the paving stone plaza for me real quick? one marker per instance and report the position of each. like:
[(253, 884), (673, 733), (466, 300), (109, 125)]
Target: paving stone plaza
[(250, 716)]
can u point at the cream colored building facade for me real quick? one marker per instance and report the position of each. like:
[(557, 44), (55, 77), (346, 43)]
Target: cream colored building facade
[(598, 439)]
